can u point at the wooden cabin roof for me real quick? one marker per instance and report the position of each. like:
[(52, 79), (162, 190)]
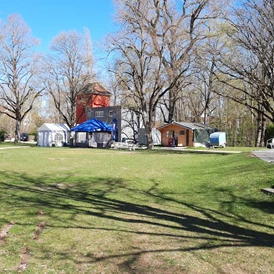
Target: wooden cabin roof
[(191, 126)]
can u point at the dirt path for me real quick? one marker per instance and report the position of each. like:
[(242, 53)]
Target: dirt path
[(25, 253), (13, 147), (5, 230), (266, 155)]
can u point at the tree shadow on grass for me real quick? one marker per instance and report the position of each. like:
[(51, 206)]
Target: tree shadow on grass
[(118, 201)]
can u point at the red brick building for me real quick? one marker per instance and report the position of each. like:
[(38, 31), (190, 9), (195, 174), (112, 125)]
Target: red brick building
[(94, 96)]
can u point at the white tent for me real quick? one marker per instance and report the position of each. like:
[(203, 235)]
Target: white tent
[(49, 135)]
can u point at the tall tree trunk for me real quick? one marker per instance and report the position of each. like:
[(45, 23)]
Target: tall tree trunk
[(17, 130), (149, 122), (171, 103), (150, 144), (261, 125), (264, 123)]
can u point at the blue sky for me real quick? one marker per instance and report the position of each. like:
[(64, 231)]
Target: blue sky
[(47, 18)]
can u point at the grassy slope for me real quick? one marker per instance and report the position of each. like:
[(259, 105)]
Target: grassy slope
[(95, 211)]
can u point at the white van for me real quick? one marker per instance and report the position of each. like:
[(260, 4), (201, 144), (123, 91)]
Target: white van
[(270, 143)]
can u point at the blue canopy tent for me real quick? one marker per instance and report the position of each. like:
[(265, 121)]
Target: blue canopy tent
[(92, 126), (92, 133)]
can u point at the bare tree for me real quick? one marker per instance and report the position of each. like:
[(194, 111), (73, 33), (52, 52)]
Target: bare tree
[(203, 92), (69, 72), (249, 67), (152, 66), (178, 40), (200, 96), (18, 70)]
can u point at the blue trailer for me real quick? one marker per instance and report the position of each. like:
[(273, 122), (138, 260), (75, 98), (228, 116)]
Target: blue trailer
[(218, 139)]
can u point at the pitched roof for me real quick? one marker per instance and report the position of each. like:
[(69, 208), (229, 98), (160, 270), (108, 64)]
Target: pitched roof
[(53, 127), (96, 88), (192, 126)]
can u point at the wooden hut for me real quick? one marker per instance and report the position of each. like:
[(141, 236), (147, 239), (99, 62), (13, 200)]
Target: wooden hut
[(185, 134)]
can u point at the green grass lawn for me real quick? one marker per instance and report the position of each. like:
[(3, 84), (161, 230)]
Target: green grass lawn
[(76, 210)]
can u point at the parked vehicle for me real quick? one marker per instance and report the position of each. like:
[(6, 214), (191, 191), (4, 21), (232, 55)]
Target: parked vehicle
[(270, 143), (218, 139), (24, 137)]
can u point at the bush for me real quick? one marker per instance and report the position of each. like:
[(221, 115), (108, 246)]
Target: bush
[(35, 136)]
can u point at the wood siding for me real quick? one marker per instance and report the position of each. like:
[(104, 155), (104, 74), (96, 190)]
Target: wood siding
[(181, 132)]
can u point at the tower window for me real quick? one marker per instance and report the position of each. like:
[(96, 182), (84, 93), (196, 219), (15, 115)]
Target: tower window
[(99, 113)]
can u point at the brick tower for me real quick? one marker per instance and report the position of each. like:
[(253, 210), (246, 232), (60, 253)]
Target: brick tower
[(94, 96)]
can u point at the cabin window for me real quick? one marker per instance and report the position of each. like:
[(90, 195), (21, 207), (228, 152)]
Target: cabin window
[(182, 132), (99, 113), (110, 114), (171, 134)]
